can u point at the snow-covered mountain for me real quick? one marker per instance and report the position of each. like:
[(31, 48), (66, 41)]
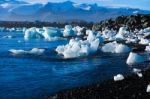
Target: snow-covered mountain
[(14, 10)]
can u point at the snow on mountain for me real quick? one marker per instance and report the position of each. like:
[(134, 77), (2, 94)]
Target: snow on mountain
[(12, 2), (14, 10), (26, 9), (83, 6)]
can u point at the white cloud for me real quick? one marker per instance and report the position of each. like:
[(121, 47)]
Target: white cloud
[(36, 1)]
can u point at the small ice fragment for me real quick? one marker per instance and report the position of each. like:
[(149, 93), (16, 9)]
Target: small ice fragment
[(118, 77), (140, 75), (148, 88), (138, 72), (135, 70)]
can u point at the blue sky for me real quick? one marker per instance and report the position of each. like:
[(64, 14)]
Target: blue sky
[(142, 4)]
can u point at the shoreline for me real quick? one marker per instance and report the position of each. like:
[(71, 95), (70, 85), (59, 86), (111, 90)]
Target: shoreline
[(132, 87)]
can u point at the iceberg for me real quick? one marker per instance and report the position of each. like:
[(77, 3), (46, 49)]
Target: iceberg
[(109, 34), (134, 58)]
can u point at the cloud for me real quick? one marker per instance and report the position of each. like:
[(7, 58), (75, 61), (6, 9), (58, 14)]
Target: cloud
[(36, 1), (103, 0), (118, 5)]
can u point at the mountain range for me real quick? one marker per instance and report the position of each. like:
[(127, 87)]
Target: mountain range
[(13, 10)]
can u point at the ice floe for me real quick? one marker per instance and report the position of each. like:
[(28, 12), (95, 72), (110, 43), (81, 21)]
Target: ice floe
[(79, 30), (35, 51), (7, 36)]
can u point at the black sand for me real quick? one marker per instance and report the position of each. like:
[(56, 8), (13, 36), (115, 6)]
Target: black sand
[(132, 87)]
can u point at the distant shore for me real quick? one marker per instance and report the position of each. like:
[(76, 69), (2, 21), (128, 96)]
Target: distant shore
[(39, 24), (132, 87), (139, 21)]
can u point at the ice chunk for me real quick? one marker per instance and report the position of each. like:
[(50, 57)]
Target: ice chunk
[(94, 46), (79, 30), (91, 36), (144, 41), (50, 33), (134, 58), (76, 47), (7, 36), (120, 48), (116, 48), (109, 47), (135, 70), (119, 36), (68, 31), (140, 75), (35, 51), (144, 31), (31, 33), (138, 72), (148, 88), (147, 48), (118, 77), (108, 34), (122, 33), (60, 49), (16, 52)]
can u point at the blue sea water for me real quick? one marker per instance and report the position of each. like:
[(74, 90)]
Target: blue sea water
[(37, 76)]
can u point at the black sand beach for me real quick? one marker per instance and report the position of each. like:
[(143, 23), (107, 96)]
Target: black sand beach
[(132, 87)]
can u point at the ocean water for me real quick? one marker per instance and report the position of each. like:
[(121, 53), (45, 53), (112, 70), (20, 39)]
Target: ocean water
[(37, 76)]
